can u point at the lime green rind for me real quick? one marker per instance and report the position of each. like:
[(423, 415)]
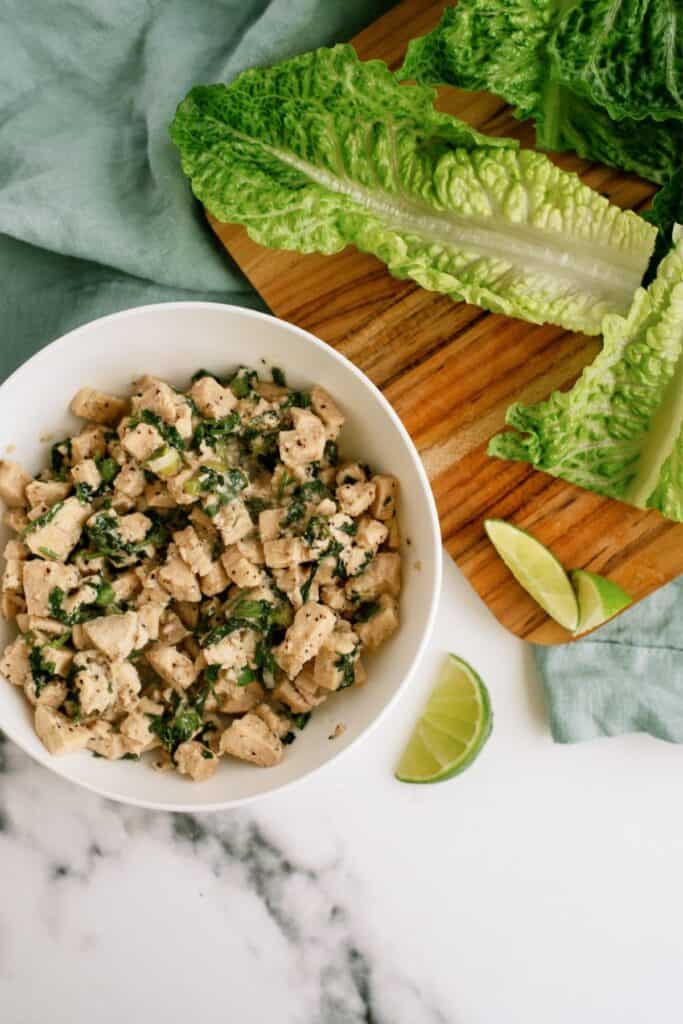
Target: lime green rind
[(599, 598), (537, 570), (437, 732)]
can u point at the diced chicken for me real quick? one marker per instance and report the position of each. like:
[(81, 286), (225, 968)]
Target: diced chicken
[(354, 499), (130, 481), (269, 523), (298, 700), (126, 585), (215, 581), (194, 550), (172, 665), (157, 495), (350, 473), (177, 577), (183, 420), (152, 592), (149, 619), (134, 528), (98, 406), (126, 685), (113, 635), (176, 487), (15, 666), (11, 605), (157, 396), (235, 651), (327, 410), (61, 659), (78, 638), (233, 522), (85, 594), (140, 441), (250, 739), (188, 614), (40, 578), (305, 443), (239, 569), (335, 661), (212, 400), (88, 444), (57, 733), (92, 679), (252, 550), (335, 597), (194, 759), (285, 552), (371, 533), (312, 624), (136, 728), (85, 472), (44, 624), (171, 629), (13, 483), (16, 519), (276, 723), (59, 536), (290, 578), (381, 625), (105, 740), (46, 493), (15, 549), (234, 699), (52, 694), (382, 576), (12, 575), (386, 492)]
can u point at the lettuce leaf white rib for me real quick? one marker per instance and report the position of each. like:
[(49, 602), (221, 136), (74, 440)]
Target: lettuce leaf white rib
[(324, 151)]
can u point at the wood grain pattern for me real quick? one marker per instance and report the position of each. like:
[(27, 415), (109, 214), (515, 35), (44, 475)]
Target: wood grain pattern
[(450, 370)]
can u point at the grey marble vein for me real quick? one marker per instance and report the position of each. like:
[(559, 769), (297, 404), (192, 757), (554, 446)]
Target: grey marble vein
[(306, 918)]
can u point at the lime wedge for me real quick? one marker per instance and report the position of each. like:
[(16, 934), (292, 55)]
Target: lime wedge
[(453, 728), (599, 599), (537, 569)]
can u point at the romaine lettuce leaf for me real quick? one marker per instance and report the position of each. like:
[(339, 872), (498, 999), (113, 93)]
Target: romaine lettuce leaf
[(600, 77), (624, 55), (323, 151), (618, 431)]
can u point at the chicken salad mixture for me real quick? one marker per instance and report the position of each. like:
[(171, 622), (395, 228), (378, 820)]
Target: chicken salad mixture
[(196, 571)]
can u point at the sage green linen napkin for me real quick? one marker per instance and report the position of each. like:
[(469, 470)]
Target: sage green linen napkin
[(626, 677), (96, 216)]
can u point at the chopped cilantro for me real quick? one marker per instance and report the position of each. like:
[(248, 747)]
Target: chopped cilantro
[(346, 663), (215, 432), (60, 459), (84, 492), (279, 377), (108, 469), (242, 384), (42, 670), (331, 453), (43, 520), (246, 676), (365, 611)]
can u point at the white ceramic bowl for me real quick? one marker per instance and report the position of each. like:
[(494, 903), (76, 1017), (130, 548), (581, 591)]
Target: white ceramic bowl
[(172, 341)]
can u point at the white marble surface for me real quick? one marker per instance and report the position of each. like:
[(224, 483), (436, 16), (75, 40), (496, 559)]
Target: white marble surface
[(542, 886)]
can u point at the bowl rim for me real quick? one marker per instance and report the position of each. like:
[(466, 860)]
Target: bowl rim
[(53, 763)]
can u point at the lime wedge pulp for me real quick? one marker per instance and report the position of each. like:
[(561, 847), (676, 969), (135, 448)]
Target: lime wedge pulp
[(537, 570), (453, 728), (599, 599)]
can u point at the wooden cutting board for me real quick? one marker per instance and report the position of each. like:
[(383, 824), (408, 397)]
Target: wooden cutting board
[(450, 370)]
